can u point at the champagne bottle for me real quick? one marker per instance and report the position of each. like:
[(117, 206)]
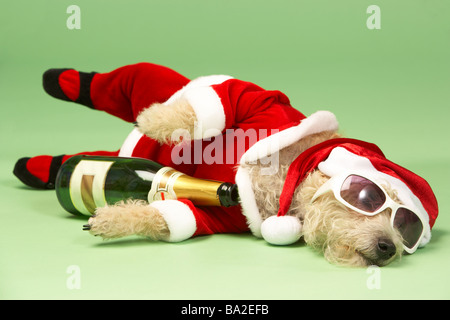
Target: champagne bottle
[(84, 183)]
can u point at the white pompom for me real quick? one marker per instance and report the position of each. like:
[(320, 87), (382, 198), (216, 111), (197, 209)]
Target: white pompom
[(281, 230)]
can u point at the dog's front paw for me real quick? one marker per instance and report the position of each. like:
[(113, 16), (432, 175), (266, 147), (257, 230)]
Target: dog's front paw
[(106, 224), (168, 123), (128, 218)]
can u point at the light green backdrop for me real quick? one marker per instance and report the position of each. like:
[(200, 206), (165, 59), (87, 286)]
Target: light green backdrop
[(389, 86)]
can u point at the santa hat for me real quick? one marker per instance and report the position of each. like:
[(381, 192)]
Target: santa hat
[(335, 156)]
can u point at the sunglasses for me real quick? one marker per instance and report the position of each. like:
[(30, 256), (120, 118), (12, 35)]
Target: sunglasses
[(363, 195)]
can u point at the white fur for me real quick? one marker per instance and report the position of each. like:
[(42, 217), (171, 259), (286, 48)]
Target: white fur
[(130, 143), (208, 109), (179, 218), (283, 230), (248, 201), (317, 122), (198, 82)]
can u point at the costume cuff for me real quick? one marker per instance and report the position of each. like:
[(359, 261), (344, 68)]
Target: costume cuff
[(179, 218), (209, 110)]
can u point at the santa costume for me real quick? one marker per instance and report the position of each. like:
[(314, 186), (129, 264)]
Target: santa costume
[(228, 110)]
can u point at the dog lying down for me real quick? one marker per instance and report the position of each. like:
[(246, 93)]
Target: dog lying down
[(297, 177)]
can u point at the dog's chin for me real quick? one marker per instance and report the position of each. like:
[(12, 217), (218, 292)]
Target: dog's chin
[(352, 257), (367, 261)]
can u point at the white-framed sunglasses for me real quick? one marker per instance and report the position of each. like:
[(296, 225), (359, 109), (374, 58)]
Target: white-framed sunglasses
[(362, 194)]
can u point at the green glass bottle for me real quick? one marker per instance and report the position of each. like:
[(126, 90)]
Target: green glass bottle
[(84, 183)]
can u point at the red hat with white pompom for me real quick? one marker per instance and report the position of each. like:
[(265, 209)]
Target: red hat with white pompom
[(335, 156)]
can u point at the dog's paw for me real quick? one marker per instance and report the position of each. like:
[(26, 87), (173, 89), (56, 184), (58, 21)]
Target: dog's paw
[(168, 123), (106, 224), (128, 218)]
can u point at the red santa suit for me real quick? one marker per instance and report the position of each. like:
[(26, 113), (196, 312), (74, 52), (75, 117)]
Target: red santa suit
[(238, 122)]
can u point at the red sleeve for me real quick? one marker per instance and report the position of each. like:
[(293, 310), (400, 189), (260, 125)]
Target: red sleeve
[(245, 103), (211, 220), (240, 104)]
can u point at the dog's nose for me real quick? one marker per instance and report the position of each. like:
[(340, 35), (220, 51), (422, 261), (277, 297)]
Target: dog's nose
[(386, 249)]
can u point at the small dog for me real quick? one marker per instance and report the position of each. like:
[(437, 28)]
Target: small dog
[(297, 176)]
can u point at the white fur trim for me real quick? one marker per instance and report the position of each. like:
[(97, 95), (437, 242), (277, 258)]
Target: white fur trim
[(282, 230), (179, 219), (315, 123), (199, 82), (248, 202), (130, 143), (208, 109), (133, 138), (206, 103), (341, 160)]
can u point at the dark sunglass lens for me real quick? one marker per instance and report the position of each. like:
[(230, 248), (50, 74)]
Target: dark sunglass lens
[(409, 226), (362, 193)]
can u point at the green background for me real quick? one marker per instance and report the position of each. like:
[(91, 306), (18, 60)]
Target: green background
[(387, 86)]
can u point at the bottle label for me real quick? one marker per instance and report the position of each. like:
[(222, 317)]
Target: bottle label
[(87, 185), (162, 185)]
